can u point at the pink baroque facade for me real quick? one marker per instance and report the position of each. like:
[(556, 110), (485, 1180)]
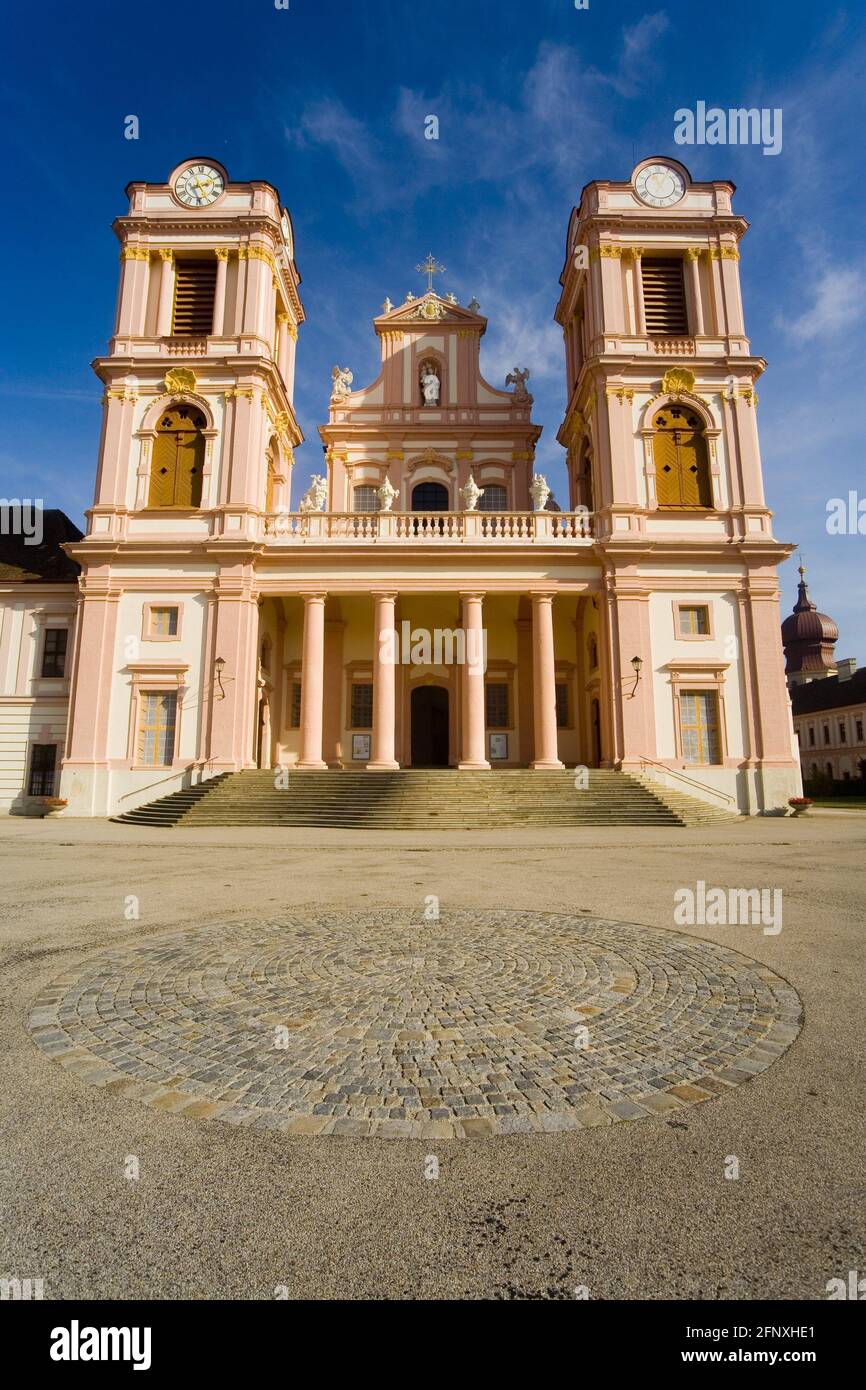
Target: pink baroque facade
[(220, 628)]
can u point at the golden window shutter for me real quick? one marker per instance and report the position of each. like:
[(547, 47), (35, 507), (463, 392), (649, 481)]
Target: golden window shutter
[(680, 456), (177, 463)]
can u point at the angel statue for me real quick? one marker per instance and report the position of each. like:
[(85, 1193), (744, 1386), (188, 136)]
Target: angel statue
[(315, 496), (429, 384), (518, 380), (341, 383)]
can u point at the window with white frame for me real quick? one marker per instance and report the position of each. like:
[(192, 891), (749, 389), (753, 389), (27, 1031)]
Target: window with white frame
[(157, 723)]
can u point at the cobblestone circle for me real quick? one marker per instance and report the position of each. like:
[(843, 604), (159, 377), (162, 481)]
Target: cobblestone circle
[(381, 1023)]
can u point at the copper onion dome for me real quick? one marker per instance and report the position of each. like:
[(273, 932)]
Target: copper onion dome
[(808, 636)]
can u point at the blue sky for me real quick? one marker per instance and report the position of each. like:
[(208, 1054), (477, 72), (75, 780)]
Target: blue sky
[(328, 101)]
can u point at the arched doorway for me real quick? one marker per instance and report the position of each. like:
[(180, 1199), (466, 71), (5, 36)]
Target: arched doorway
[(429, 710)]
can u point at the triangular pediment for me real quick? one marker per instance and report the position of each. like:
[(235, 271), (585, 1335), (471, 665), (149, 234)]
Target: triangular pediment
[(429, 309)]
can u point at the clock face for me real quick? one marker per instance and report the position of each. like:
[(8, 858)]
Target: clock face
[(659, 185), (199, 185)]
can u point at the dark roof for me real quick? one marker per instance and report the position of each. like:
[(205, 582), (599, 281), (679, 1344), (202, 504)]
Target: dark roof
[(46, 563), (829, 693)]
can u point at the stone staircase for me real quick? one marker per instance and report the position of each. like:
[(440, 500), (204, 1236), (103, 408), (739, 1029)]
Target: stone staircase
[(424, 799)]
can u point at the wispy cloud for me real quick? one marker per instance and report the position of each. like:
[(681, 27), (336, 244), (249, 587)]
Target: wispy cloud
[(838, 303)]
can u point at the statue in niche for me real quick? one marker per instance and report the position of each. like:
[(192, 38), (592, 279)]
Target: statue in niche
[(430, 384)]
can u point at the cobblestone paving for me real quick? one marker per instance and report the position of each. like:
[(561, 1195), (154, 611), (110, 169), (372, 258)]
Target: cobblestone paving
[(372, 1023)]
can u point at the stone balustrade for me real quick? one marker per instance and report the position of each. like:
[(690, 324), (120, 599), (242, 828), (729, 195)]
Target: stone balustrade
[(440, 527)]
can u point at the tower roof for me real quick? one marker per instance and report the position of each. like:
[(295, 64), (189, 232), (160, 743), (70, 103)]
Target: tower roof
[(807, 635)]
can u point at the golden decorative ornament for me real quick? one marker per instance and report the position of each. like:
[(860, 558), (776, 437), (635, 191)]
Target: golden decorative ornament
[(180, 379), (678, 379)]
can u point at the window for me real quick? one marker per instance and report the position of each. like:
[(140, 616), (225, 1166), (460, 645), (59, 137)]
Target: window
[(194, 293), (178, 459), (362, 705), (811, 736), (681, 461), (43, 765), (163, 622), (843, 732), (859, 730), (664, 297), (694, 621), (828, 768), (295, 706), (54, 652), (156, 730), (430, 497), (496, 699), (365, 499), (494, 498), (592, 652), (562, 719), (270, 480), (826, 732), (699, 726)]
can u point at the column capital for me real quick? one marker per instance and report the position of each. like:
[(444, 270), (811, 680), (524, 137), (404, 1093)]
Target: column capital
[(544, 597), (315, 598), (476, 594), (165, 253), (222, 253), (380, 594)]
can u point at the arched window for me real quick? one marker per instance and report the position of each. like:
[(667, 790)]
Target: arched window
[(592, 652), (178, 459), (681, 460), (494, 498), (430, 497), (584, 489), (365, 499)]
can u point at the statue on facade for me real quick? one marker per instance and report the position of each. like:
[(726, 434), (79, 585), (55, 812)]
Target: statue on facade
[(387, 306), (316, 495), (469, 494), (430, 384), (518, 379), (341, 383), (539, 491), (473, 306), (386, 494)]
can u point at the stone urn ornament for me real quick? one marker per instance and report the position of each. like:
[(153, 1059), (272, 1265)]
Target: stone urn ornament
[(539, 491), (386, 495), (470, 493)]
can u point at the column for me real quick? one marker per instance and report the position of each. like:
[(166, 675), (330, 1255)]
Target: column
[(637, 253), (544, 684), (332, 750), (166, 294), (283, 345), (472, 677), (132, 298), (313, 684), (384, 681), (219, 299), (693, 260)]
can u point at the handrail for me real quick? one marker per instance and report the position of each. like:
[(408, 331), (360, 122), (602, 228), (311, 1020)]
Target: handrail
[(177, 772), (703, 786)]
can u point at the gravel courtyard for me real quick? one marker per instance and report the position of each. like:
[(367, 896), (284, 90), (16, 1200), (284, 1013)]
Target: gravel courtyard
[(144, 976)]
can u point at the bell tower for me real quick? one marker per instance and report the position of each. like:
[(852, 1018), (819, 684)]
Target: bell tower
[(662, 441), (198, 423)]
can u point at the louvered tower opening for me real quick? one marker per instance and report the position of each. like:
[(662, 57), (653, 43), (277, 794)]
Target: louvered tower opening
[(194, 291), (664, 297)]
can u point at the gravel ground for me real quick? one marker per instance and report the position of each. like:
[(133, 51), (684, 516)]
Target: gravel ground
[(639, 1209)]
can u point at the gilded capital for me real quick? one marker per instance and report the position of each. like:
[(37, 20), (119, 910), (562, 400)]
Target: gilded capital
[(165, 253), (222, 253)]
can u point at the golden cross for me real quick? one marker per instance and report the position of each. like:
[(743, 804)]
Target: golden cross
[(430, 268)]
